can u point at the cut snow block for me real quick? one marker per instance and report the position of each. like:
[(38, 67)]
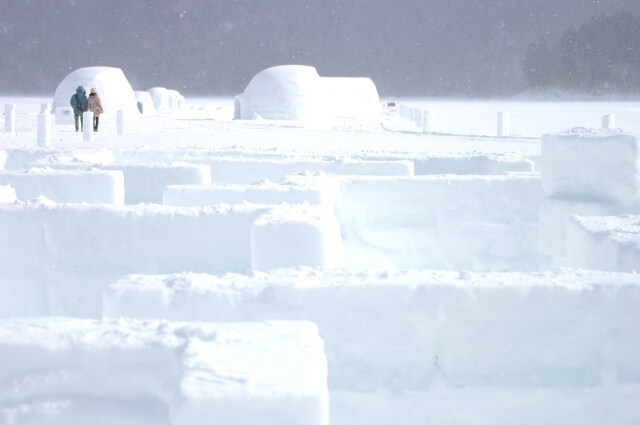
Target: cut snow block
[(56, 259), (451, 163), (556, 212), (420, 330), (185, 373), (64, 410), (317, 191), (146, 183), (485, 223), (7, 194), (604, 243), (591, 166), (299, 235), (105, 239), (3, 159), (91, 186), (252, 170)]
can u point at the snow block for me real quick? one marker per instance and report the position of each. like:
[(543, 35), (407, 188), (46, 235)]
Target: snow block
[(146, 183), (555, 213), (299, 235), (184, 373), (3, 159), (55, 259), (489, 406), (601, 166), (19, 159), (418, 330), (92, 186), (7, 194), (251, 170), (142, 182), (100, 238), (604, 243), (317, 191), (485, 223), (471, 164)]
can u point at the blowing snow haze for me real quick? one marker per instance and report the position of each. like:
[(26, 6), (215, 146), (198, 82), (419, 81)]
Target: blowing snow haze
[(429, 47)]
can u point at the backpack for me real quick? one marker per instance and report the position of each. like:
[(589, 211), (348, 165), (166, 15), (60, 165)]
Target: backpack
[(82, 107)]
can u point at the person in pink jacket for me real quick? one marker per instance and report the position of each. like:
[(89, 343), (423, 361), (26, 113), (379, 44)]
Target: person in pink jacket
[(95, 106)]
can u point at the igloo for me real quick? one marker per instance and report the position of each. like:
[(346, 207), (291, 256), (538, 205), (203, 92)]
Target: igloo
[(145, 103), (297, 92), (113, 87)]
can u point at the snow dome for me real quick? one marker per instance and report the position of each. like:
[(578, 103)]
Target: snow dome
[(297, 92), (113, 87), (145, 103)]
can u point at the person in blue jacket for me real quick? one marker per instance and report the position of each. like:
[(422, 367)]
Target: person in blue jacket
[(79, 103)]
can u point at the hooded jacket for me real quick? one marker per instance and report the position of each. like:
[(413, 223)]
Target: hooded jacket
[(79, 98)]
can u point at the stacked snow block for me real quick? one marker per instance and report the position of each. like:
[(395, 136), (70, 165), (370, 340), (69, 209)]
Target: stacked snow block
[(319, 190), (92, 186), (441, 222), (3, 159), (296, 235), (71, 371), (146, 183), (250, 170), (430, 164), (143, 183), (605, 243), (586, 173), (57, 258), (438, 340)]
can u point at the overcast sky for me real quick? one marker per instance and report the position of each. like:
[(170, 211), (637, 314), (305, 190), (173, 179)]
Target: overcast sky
[(429, 47)]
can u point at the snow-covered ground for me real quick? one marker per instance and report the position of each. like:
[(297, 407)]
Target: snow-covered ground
[(199, 268)]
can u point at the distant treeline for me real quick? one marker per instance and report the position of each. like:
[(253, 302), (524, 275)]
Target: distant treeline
[(408, 47), (601, 56)]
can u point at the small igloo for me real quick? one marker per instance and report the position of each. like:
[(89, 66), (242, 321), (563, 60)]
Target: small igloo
[(297, 92), (145, 103), (166, 100), (113, 88)]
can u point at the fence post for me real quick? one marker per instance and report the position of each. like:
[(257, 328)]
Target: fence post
[(44, 129), (427, 122), (10, 118), (87, 126), (417, 117), (121, 122), (609, 122), (503, 124)]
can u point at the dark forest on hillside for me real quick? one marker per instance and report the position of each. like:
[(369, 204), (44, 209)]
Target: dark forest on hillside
[(202, 47)]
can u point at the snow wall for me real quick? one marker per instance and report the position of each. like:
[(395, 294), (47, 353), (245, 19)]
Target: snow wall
[(590, 218), (441, 222), (71, 371), (113, 88), (440, 344)]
